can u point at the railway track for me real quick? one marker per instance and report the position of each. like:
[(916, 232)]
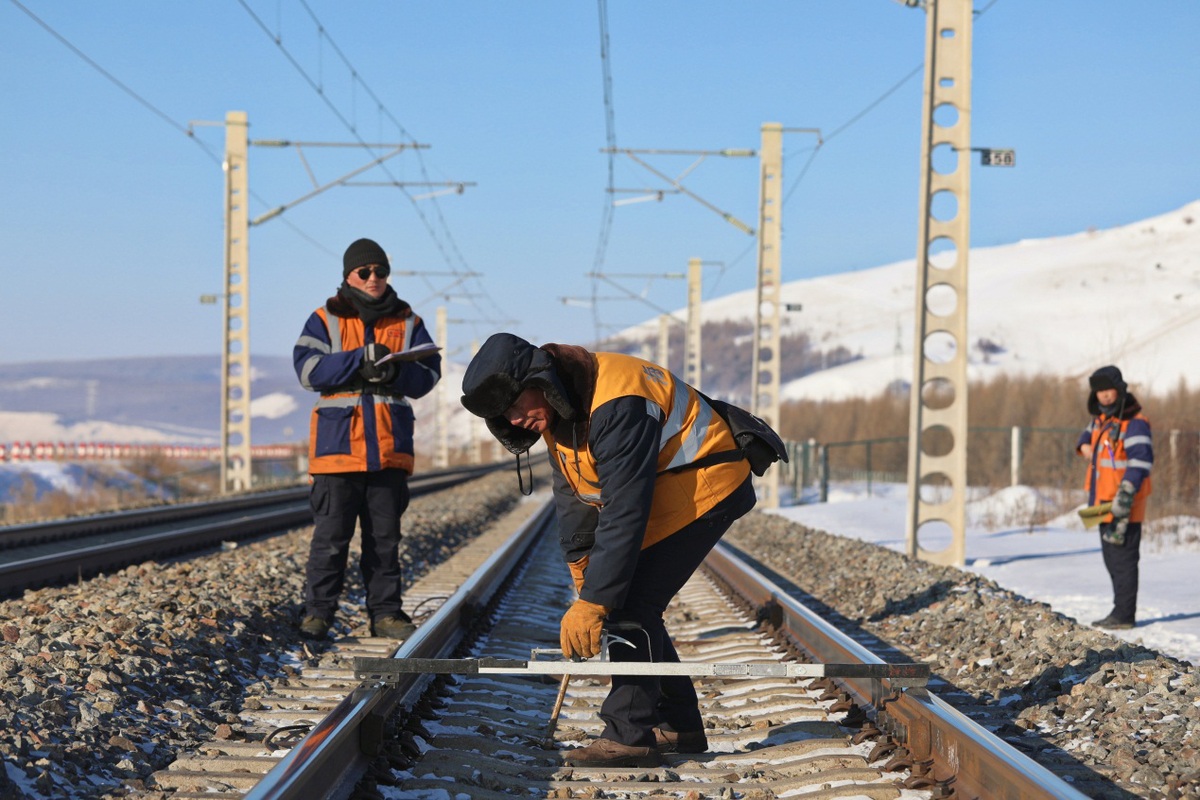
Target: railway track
[(58, 551), (338, 728)]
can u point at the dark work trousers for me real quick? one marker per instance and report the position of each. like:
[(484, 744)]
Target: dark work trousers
[(1121, 560), (376, 500), (636, 704)]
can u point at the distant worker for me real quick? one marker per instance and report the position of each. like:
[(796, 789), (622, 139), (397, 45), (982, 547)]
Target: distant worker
[(360, 443), (643, 490), (1120, 456)]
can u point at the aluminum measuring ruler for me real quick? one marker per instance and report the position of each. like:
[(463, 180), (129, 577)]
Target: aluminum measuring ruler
[(389, 670)]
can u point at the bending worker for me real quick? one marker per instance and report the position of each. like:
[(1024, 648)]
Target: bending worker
[(640, 502), (1120, 455), (360, 443)]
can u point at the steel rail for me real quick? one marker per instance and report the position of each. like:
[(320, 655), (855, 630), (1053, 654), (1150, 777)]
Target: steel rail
[(978, 763), (105, 522), (92, 524), (286, 510), (89, 560), (336, 753)]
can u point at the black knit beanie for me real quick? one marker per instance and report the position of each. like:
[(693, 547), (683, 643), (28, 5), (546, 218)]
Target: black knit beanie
[(362, 252)]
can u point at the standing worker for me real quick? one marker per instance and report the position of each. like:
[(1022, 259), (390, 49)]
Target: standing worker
[(1117, 446), (641, 500), (360, 443)]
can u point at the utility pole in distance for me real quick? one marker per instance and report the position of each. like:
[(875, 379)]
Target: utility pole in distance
[(235, 354), (692, 347), (441, 453), (663, 359), (764, 356), (691, 337), (766, 362)]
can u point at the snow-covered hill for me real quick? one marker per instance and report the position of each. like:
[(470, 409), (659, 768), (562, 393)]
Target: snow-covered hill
[(1061, 306)]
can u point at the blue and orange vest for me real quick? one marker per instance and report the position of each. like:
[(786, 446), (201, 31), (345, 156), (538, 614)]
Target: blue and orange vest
[(367, 427)]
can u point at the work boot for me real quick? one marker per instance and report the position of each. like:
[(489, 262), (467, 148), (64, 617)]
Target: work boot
[(605, 753), (680, 741), (314, 627), (393, 628), (1111, 623)]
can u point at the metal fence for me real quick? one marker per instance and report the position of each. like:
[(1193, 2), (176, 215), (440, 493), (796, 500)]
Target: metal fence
[(996, 457)]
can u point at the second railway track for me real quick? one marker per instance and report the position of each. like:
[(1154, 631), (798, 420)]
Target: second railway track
[(54, 551)]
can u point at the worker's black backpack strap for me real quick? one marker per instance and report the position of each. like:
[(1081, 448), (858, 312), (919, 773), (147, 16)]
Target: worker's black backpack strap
[(757, 440)]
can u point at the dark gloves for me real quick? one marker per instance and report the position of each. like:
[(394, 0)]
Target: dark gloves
[(370, 371), (1122, 504), (1114, 532)]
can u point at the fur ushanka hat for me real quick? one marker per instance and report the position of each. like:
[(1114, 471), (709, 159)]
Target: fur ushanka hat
[(1109, 377), (504, 367)]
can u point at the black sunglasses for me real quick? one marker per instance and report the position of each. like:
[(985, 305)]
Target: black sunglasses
[(364, 273)]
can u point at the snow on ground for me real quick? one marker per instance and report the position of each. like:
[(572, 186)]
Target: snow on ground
[(71, 478), (1058, 563), (43, 426), (273, 406)]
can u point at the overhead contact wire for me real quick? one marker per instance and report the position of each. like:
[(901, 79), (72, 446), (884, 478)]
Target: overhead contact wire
[(185, 130), (357, 80), (316, 86), (610, 137)]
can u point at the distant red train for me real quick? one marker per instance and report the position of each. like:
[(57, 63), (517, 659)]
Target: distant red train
[(99, 451)]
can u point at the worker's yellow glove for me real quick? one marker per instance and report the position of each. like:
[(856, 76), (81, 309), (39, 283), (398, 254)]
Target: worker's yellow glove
[(577, 568), (579, 631)]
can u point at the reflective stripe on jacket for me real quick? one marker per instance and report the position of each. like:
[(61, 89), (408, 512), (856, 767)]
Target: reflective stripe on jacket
[(689, 430), (1130, 457), (357, 426)]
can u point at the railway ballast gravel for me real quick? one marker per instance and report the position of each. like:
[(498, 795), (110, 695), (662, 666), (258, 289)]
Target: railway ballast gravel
[(1079, 701), (105, 682)]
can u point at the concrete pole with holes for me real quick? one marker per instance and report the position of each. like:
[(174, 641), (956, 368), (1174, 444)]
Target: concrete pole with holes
[(235, 351), (937, 478), (691, 336), (441, 457), (663, 358), (765, 361)]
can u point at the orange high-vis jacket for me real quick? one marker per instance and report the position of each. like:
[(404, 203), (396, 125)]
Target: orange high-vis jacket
[(1121, 450), (690, 431)]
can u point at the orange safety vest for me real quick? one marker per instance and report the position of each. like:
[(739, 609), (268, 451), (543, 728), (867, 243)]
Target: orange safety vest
[(364, 428), (1108, 464), (690, 431)]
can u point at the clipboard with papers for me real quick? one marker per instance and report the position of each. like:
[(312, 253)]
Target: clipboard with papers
[(411, 354)]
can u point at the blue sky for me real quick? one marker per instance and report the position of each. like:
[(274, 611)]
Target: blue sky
[(111, 215)]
